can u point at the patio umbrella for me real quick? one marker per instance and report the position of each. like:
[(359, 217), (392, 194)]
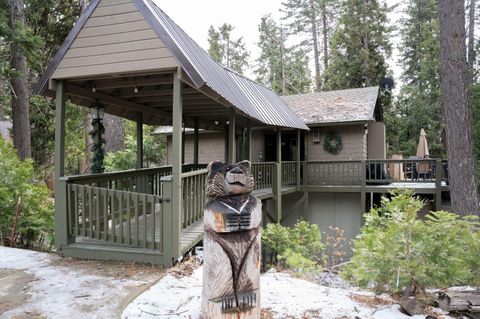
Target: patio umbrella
[(422, 148), (422, 152)]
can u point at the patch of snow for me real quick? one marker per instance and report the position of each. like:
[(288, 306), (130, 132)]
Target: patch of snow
[(282, 294), (59, 292)]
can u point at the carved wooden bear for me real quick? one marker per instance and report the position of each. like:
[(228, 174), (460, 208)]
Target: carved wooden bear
[(231, 269)]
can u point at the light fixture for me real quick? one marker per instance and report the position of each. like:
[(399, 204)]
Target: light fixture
[(94, 88), (97, 110), (216, 122), (227, 122), (135, 89)]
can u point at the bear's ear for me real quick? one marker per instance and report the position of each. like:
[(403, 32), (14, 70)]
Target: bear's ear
[(214, 166), (247, 164)]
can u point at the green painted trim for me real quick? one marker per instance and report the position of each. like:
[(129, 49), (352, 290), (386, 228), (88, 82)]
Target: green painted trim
[(231, 137), (438, 184), (62, 236), (176, 198), (363, 179), (277, 182), (298, 156), (249, 141), (195, 141), (139, 164)]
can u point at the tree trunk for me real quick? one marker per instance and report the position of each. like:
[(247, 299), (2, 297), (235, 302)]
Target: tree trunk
[(316, 55), (325, 36), (457, 113), (87, 124), (114, 133), (471, 41), (20, 95)]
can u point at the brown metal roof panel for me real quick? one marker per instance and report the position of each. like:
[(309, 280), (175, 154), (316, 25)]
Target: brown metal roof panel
[(247, 96)]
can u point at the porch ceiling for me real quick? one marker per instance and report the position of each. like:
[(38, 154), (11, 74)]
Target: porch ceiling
[(153, 100)]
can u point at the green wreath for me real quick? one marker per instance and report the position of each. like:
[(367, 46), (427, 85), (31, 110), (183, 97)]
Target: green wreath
[(332, 143)]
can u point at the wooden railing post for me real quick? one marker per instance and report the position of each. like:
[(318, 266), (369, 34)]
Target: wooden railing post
[(363, 185), (170, 224), (298, 168), (438, 184)]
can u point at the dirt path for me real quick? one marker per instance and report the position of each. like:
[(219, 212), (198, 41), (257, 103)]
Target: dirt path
[(41, 285)]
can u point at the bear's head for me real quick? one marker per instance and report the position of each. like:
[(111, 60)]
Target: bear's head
[(229, 179)]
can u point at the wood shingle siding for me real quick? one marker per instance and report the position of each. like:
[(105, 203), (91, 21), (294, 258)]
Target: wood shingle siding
[(115, 39)]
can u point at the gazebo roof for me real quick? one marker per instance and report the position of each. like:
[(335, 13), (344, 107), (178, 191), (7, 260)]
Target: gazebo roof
[(211, 88)]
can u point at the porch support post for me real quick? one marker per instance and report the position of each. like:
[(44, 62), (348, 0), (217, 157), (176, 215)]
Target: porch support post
[(298, 160), (438, 184), (363, 185), (176, 200), (231, 137), (195, 142), (140, 141), (249, 141), (277, 190), (62, 236)]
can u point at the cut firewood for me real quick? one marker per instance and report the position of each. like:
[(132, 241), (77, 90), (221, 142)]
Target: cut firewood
[(466, 301)]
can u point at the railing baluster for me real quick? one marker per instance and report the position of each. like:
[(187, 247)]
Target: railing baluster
[(129, 219), (152, 209)]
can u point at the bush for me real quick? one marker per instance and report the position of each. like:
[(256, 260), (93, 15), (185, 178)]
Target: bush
[(296, 248), (17, 185), (153, 150), (396, 250)]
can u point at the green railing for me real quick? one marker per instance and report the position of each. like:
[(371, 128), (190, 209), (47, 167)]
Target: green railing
[(263, 173), (194, 196), (289, 173), (374, 172), (114, 216)]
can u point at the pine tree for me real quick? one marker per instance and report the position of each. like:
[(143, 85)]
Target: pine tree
[(419, 103), (226, 50), (310, 17), (284, 69), (360, 45)]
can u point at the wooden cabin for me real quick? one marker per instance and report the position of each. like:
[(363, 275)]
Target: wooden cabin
[(129, 56)]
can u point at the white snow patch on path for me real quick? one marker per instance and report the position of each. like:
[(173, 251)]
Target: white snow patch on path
[(59, 292), (284, 295)]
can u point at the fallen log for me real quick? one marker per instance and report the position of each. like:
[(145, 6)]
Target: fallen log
[(460, 300)]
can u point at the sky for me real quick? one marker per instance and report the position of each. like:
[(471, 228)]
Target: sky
[(195, 17)]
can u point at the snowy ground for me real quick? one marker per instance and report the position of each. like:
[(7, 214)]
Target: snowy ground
[(282, 296), (40, 285)]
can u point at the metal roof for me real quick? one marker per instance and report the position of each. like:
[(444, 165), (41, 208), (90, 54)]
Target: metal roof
[(244, 94), (341, 106), (227, 87)]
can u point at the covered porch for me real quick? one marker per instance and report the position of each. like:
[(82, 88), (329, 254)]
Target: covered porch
[(129, 56)]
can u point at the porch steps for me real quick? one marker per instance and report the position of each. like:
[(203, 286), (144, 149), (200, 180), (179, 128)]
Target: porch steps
[(191, 236)]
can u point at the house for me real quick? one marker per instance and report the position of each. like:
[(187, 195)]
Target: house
[(128, 58), (354, 115)]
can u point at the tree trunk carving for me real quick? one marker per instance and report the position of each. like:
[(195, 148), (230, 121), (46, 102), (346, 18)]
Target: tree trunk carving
[(232, 216)]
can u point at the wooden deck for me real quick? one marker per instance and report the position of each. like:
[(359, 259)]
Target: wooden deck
[(146, 227)]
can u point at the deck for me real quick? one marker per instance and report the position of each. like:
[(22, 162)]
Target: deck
[(131, 215)]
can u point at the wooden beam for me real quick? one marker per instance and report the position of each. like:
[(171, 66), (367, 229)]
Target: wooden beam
[(62, 236), (278, 176), (176, 200), (132, 82), (111, 100), (249, 140), (231, 137), (140, 141), (298, 166), (195, 142), (152, 92), (154, 99)]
